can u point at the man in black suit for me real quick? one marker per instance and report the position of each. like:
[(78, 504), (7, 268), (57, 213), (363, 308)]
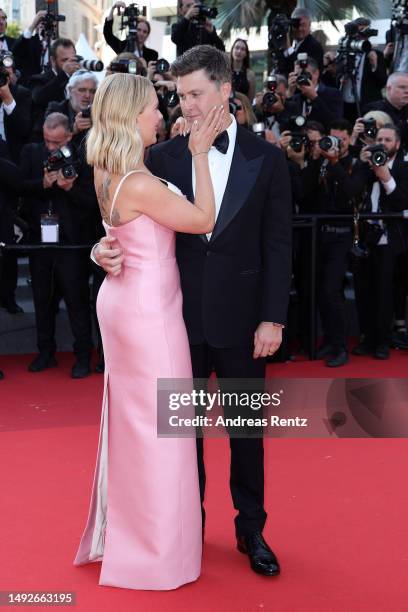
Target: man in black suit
[(30, 50), (188, 32), (71, 202), (313, 100), (301, 41), (236, 280), (119, 46), (370, 76), (387, 191), (50, 85), (6, 42), (395, 104)]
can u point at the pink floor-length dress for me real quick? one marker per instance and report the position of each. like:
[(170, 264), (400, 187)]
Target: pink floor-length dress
[(144, 521)]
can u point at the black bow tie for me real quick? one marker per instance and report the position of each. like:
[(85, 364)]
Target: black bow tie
[(221, 143)]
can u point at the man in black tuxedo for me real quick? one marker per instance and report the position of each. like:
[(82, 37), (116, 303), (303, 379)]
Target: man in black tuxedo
[(6, 42), (387, 191), (301, 41), (235, 282), (187, 32), (313, 100), (30, 50), (119, 46)]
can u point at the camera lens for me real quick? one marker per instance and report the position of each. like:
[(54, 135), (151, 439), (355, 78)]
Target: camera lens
[(162, 66)]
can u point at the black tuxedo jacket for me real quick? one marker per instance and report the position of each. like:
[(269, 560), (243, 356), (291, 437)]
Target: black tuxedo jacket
[(327, 107), (397, 201), (373, 82), (242, 275), (309, 45), (27, 56), (10, 180), (119, 46), (10, 42), (17, 125)]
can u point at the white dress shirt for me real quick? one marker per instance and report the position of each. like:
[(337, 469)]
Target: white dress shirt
[(220, 166), (8, 109)]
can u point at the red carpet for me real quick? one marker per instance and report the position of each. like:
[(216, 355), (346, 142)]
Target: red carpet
[(337, 508)]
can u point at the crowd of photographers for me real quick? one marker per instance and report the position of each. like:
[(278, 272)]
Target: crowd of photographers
[(341, 117)]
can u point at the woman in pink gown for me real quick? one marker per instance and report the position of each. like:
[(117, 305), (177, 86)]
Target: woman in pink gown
[(144, 521)]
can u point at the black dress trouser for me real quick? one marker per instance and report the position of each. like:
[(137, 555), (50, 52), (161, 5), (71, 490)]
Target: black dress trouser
[(69, 270), (247, 455)]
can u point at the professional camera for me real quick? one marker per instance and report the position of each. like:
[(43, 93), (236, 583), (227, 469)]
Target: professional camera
[(329, 143), (62, 159), (6, 61), (170, 98), (127, 66), (50, 21), (259, 129), (162, 66), (270, 98), (297, 132), (304, 78), (279, 28), (355, 40), (86, 112), (379, 155), (130, 20), (205, 12), (370, 127), (92, 65)]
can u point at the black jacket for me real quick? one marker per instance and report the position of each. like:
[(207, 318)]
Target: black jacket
[(10, 180), (10, 42), (17, 125), (373, 82), (63, 107), (119, 46), (327, 107), (242, 275), (187, 34), (45, 88), (309, 45), (27, 56), (77, 209)]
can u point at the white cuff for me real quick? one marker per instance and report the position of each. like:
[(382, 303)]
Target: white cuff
[(389, 186), (9, 107), (92, 254), (27, 33)]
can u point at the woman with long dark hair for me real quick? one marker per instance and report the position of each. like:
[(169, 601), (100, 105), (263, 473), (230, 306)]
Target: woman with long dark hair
[(243, 78)]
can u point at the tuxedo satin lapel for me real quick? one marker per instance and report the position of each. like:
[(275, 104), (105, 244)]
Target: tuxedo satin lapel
[(242, 177)]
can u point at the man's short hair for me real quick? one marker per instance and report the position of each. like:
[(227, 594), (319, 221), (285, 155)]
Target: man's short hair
[(60, 42), (343, 125), (311, 63), (215, 63), (79, 76), (300, 12), (55, 120), (394, 75), (316, 126), (394, 128)]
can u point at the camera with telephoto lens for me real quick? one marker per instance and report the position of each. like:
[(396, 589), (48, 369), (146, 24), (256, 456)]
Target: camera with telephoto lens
[(130, 20), (126, 66), (330, 143), (298, 136), (6, 61), (259, 129), (49, 23), (205, 12), (91, 65), (270, 98), (354, 42), (370, 127), (278, 30), (162, 66), (62, 159), (378, 154)]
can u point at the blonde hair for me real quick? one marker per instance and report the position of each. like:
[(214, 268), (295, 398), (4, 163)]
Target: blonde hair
[(380, 117), (114, 142)]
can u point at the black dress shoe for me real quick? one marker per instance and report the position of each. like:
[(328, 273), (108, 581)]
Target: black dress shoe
[(324, 351), (382, 352), (81, 368), (362, 349), (399, 340), (339, 358), (1, 374), (43, 361), (11, 306), (262, 559)]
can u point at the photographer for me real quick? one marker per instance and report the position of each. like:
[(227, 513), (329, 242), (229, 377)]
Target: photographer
[(30, 50), (395, 104), (300, 40), (61, 207), (15, 108), (142, 30), (270, 104), (366, 128), (310, 98), (331, 181), (387, 178), (81, 91), (367, 69), (50, 85), (6, 42), (194, 27)]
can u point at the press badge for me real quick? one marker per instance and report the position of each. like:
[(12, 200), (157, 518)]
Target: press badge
[(49, 228)]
